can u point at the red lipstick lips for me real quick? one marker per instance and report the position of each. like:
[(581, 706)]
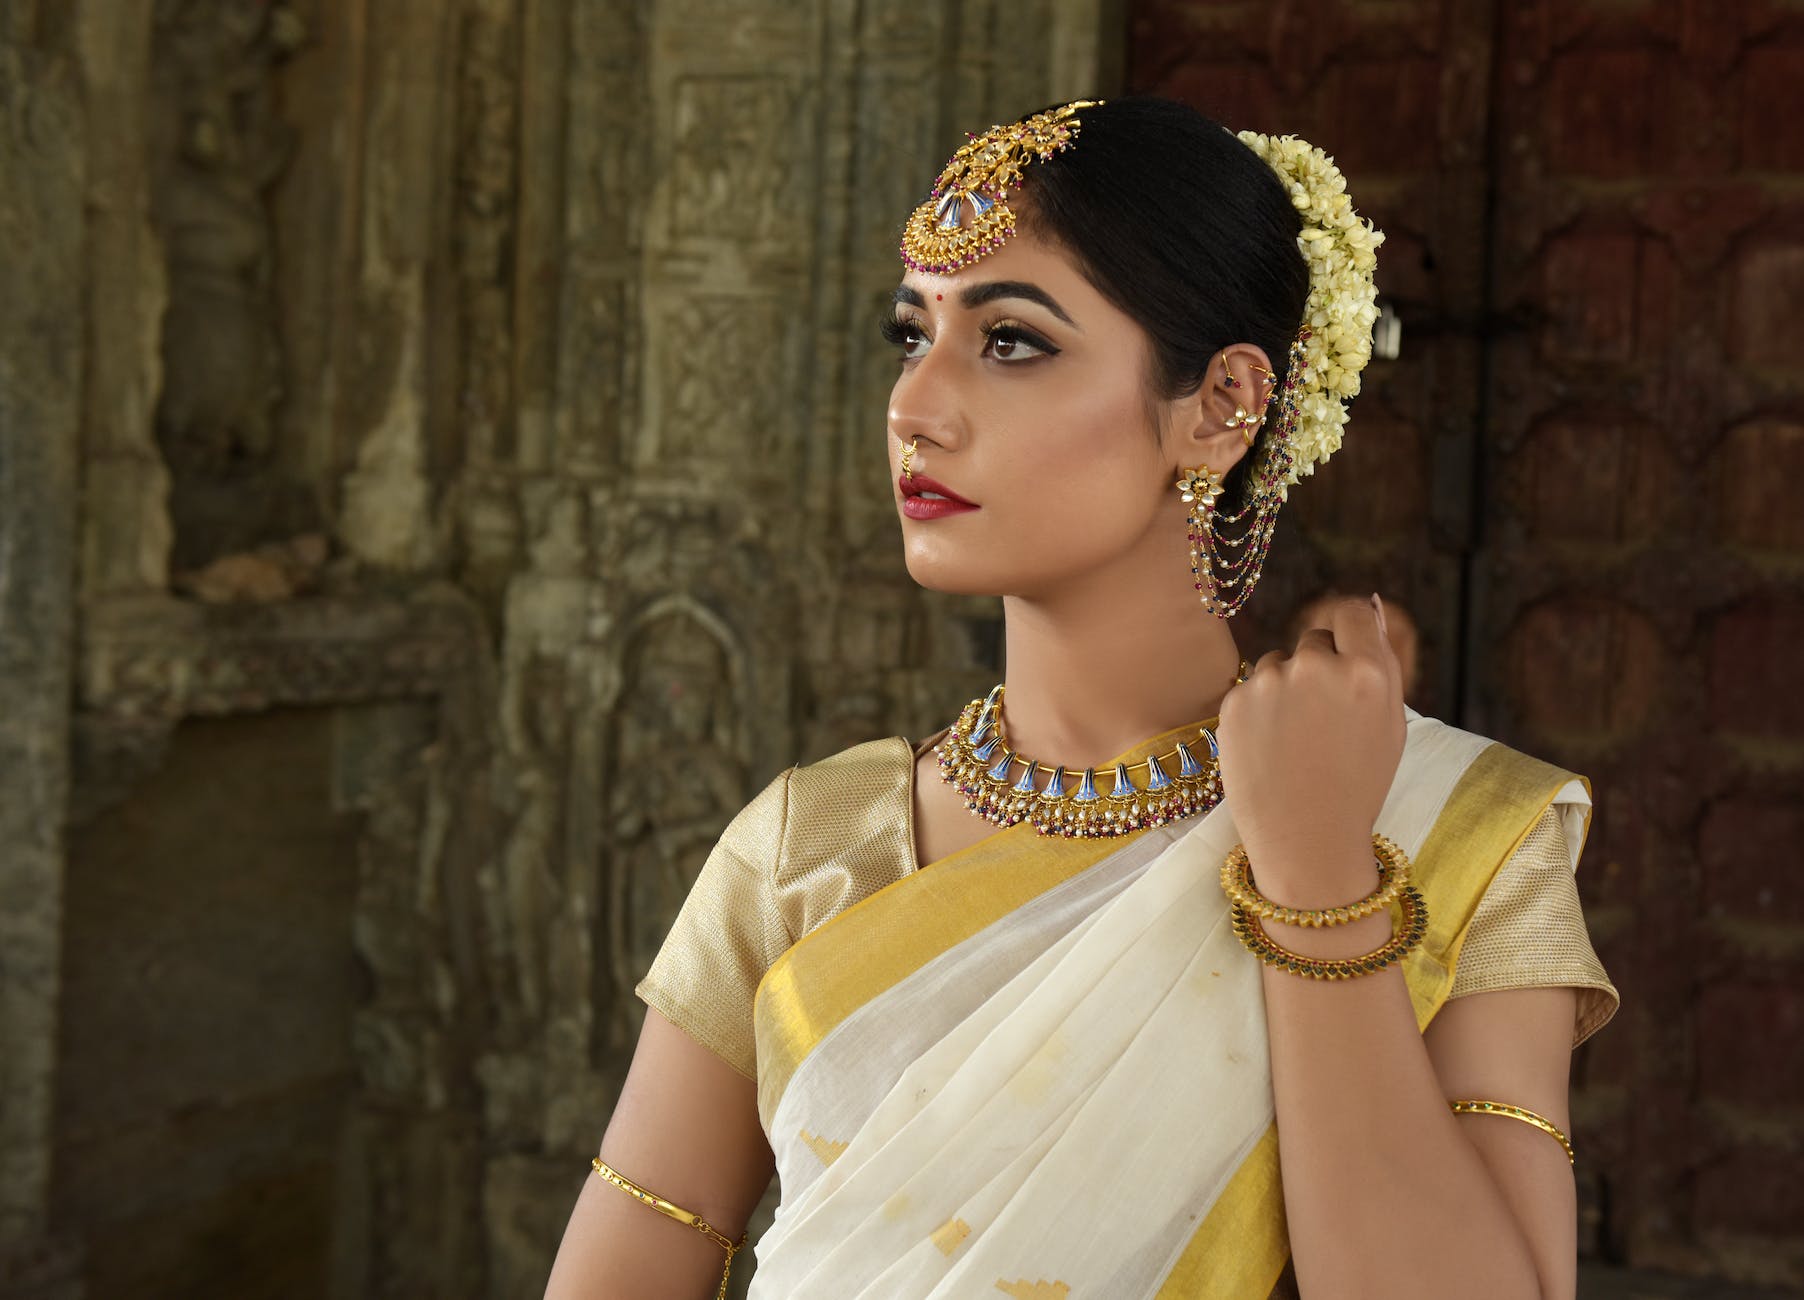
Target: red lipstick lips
[(925, 498)]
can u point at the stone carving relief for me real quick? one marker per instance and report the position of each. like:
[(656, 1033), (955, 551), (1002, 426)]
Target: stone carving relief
[(536, 693), (546, 612), (565, 285), (486, 224), (221, 144), (738, 163), (725, 366), (704, 546), (602, 181), (678, 772)]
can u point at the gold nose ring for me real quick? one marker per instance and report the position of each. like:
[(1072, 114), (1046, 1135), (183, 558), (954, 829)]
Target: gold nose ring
[(908, 460)]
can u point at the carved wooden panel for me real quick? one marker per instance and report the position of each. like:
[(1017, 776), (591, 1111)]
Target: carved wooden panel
[(1638, 588)]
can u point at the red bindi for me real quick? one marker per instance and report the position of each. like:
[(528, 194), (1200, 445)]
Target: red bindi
[(939, 297)]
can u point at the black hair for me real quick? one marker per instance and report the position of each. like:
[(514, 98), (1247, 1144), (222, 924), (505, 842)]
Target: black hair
[(1185, 229)]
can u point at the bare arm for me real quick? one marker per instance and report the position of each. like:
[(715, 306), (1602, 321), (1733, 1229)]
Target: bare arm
[(1516, 1047), (1386, 1191), (686, 1128)]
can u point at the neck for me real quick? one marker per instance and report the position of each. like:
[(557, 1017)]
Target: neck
[(1099, 666)]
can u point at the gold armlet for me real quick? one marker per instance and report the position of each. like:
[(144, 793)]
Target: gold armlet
[(676, 1212), (1516, 1112)]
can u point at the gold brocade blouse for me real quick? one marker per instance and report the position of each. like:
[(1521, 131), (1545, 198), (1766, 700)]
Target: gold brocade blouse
[(825, 835)]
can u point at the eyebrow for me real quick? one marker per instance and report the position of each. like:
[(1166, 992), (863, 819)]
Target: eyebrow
[(992, 291)]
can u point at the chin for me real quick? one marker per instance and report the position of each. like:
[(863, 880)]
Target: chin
[(947, 579), (944, 569)]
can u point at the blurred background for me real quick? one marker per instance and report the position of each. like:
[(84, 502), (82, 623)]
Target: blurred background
[(441, 479)]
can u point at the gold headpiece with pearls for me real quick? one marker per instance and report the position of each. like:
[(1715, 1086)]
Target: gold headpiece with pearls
[(978, 179)]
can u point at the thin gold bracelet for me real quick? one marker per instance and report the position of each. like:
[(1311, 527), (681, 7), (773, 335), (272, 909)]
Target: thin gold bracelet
[(1516, 1112), (682, 1216)]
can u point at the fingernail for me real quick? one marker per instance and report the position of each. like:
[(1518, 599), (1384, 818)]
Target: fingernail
[(1378, 609)]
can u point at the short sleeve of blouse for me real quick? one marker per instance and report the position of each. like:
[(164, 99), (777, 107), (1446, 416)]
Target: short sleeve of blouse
[(728, 932), (1529, 931)]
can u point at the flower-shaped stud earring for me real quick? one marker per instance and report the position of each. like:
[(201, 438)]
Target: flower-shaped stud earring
[(1200, 485)]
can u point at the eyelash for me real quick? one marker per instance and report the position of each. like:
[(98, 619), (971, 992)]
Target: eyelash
[(896, 333)]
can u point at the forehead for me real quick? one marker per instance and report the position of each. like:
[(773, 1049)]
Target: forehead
[(1025, 255)]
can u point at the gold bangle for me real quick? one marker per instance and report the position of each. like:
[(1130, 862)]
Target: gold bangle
[(1393, 875), (1516, 1112), (1406, 933), (682, 1216)]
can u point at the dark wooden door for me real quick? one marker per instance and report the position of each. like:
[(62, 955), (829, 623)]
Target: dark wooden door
[(1581, 476)]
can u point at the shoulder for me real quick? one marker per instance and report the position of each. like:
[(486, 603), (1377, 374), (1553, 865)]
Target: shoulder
[(862, 773), (848, 796), (1467, 803), (848, 829), (1498, 833), (1431, 738), (806, 809), (1476, 778)]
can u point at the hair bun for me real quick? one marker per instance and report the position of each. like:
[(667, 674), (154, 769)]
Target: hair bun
[(1341, 249)]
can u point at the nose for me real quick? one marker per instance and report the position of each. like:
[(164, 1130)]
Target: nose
[(926, 404)]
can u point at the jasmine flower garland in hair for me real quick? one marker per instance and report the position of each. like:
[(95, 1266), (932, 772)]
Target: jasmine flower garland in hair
[(1341, 249)]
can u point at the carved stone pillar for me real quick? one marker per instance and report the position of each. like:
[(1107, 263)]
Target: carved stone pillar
[(711, 587), (41, 359)]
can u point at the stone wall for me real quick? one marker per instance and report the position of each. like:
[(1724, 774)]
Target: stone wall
[(1579, 474), (41, 362), (458, 424)]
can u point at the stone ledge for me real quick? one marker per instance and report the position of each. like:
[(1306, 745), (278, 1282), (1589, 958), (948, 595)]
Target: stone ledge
[(158, 658)]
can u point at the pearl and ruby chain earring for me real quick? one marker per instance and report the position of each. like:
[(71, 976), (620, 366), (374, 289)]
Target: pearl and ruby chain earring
[(1225, 569)]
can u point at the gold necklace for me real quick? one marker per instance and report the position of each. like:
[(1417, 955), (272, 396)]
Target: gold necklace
[(975, 759)]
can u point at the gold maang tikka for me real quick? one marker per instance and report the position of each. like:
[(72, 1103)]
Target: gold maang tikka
[(978, 178)]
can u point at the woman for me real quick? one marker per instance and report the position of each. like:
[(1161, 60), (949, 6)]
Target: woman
[(998, 1021)]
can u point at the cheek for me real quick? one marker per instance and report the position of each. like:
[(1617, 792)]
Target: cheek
[(1070, 477), (1083, 456)]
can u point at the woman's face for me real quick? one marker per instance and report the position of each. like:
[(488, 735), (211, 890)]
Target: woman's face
[(1026, 389)]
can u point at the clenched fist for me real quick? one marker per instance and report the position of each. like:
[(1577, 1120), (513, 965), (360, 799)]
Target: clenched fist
[(1310, 744)]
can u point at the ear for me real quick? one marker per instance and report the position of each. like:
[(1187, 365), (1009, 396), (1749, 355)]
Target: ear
[(1215, 425)]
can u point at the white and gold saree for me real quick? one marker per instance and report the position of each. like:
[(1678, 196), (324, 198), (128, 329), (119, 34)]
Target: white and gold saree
[(1039, 1066)]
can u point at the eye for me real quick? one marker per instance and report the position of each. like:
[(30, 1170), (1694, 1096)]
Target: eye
[(906, 335), (1011, 341)]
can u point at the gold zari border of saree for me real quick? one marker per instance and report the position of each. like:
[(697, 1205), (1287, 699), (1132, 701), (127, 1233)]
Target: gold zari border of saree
[(915, 919), (1241, 1247), (880, 940)]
